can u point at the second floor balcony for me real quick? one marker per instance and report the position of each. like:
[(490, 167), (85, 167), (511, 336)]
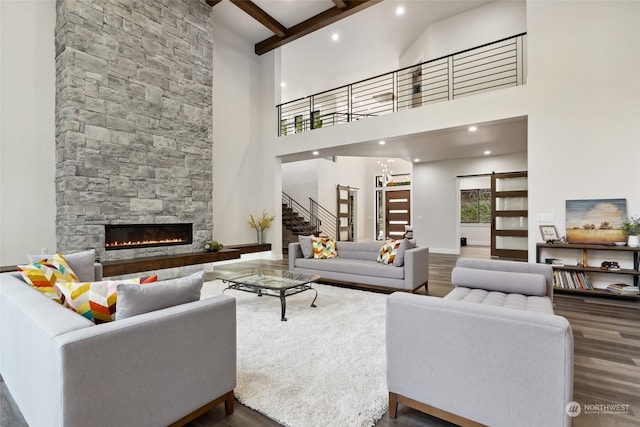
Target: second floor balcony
[(493, 66)]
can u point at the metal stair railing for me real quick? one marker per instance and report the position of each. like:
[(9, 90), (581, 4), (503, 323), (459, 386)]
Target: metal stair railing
[(305, 218), (328, 223)]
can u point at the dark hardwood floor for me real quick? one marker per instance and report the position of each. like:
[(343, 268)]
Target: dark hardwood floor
[(606, 353)]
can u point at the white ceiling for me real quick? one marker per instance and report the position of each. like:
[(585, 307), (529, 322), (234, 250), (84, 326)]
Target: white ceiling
[(500, 137), (371, 41)]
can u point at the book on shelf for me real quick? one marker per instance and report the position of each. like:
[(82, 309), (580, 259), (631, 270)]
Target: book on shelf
[(622, 288), (565, 279)]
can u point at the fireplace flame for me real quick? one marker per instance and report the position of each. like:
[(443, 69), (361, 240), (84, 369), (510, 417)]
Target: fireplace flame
[(117, 244)]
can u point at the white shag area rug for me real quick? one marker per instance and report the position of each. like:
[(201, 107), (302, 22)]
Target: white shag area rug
[(325, 366)]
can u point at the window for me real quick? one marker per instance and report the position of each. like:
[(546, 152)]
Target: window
[(475, 206)]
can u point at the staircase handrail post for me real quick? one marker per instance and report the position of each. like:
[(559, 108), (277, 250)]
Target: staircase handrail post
[(314, 218)]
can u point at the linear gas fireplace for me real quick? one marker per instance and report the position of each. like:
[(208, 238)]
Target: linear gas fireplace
[(131, 236)]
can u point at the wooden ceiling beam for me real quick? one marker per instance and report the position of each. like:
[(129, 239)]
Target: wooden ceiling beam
[(213, 2), (312, 24), (253, 10), (340, 4)]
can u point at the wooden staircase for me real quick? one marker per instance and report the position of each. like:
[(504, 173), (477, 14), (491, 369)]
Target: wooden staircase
[(295, 223)]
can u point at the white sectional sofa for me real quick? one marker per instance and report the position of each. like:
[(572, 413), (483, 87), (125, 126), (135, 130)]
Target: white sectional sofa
[(151, 369), (356, 264), (492, 352)]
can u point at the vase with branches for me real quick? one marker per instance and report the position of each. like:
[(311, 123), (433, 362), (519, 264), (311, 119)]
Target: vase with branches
[(260, 224)]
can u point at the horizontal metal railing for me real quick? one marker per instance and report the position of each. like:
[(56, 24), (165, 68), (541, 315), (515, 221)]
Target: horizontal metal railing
[(304, 217), (492, 66), (328, 223)]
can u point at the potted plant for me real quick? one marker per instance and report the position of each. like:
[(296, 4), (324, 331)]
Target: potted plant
[(213, 246), (631, 226), (260, 224)]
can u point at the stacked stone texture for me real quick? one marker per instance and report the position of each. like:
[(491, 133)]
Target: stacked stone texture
[(133, 119)]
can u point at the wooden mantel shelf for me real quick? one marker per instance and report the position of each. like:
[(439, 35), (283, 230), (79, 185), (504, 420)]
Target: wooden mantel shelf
[(137, 265)]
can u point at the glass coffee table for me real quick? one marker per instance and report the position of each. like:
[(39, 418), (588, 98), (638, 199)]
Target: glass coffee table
[(275, 283)]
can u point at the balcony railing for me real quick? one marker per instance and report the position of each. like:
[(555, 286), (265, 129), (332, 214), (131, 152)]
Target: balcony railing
[(489, 67)]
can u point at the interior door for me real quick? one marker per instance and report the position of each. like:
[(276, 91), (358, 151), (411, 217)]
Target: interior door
[(344, 214), (397, 212), (353, 214), (510, 215)]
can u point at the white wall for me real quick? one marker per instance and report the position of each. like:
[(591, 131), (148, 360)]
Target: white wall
[(245, 174), (27, 129), (476, 27), (584, 115), (300, 180), (436, 200)]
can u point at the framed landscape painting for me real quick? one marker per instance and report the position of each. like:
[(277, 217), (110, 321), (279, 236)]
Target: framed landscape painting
[(596, 221)]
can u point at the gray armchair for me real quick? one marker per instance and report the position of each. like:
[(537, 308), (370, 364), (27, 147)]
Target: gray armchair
[(476, 363)]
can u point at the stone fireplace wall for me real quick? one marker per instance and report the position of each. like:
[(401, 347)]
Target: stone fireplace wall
[(133, 119)]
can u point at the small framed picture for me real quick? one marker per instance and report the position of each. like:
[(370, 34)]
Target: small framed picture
[(549, 233)]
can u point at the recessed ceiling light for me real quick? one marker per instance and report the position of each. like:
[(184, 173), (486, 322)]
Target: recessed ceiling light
[(335, 37), (382, 142), (390, 160), (473, 128), (283, 84), (487, 152), (315, 153), (399, 10), (416, 160)]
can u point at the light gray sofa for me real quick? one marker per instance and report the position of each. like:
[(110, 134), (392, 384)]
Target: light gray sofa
[(356, 264), (490, 353), (152, 369)]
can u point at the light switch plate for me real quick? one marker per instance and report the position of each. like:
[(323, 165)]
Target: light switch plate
[(544, 217)]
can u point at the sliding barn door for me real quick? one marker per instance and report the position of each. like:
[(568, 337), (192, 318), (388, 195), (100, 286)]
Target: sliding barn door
[(510, 215), (344, 214)]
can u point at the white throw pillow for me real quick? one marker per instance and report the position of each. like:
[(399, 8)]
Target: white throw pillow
[(306, 245), (136, 299), (398, 261), (80, 262)]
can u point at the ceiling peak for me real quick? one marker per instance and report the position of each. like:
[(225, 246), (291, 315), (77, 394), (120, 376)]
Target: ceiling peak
[(283, 35)]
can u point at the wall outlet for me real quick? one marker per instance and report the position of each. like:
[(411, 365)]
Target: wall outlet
[(544, 217)]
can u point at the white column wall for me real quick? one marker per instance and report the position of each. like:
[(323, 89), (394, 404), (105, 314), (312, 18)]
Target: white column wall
[(584, 118), (27, 130), (245, 172)]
